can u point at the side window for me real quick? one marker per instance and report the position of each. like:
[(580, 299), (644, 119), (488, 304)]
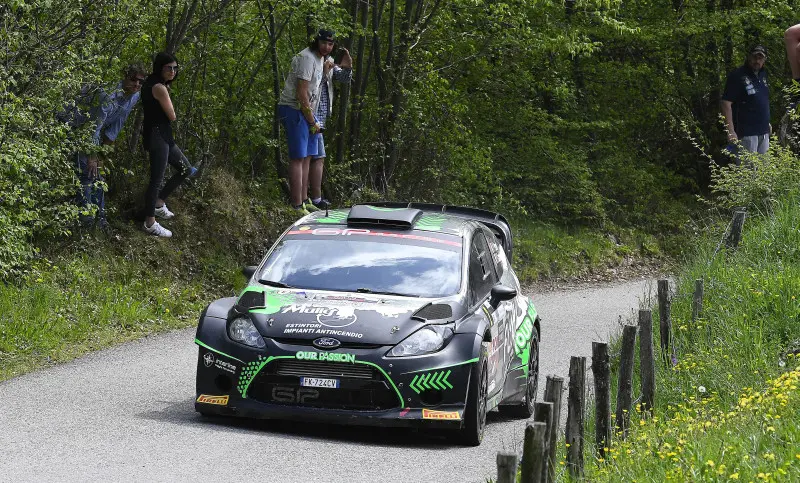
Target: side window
[(482, 274), (499, 255)]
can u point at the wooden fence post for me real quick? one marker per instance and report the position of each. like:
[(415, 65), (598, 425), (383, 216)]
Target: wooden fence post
[(625, 384), (735, 235), (601, 368), (552, 394), (506, 467), (647, 365), (575, 405), (697, 300), (534, 453), (664, 317), (543, 413)]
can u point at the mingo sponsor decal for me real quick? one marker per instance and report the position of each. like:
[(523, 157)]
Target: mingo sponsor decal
[(431, 414), (218, 400), (336, 317), (325, 356)]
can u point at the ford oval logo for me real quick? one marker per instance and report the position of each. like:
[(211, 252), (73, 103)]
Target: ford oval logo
[(326, 343)]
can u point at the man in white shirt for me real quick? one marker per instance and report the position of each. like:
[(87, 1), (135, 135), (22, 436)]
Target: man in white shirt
[(296, 111)]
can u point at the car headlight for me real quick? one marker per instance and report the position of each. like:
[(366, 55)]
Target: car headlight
[(242, 330), (428, 339)]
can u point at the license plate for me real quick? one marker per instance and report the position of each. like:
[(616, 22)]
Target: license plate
[(319, 382)]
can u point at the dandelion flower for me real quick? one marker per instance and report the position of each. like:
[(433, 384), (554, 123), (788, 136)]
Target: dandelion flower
[(734, 476), (701, 389)]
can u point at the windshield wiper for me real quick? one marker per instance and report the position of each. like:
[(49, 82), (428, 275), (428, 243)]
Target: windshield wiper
[(377, 292), (275, 284)]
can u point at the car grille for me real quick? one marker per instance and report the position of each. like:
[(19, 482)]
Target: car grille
[(362, 387), (336, 370)]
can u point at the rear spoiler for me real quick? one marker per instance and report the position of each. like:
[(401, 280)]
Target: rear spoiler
[(494, 221)]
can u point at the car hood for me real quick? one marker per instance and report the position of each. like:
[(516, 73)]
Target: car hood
[(348, 317)]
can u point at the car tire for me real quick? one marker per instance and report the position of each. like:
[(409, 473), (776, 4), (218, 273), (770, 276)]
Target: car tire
[(471, 433), (525, 410)]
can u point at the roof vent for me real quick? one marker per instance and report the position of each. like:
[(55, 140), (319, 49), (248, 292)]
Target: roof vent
[(403, 218)]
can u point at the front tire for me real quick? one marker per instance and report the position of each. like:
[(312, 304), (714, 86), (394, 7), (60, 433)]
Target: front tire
[(471, 434), (525, 410)]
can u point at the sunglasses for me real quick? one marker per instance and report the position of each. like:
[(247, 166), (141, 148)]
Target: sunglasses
[(173, 68), (137, 80)]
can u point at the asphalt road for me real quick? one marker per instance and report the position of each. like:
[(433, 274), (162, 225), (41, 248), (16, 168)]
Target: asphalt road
[(126, 414)]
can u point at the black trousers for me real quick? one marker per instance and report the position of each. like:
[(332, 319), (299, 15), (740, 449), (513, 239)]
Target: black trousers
[(161, 153)]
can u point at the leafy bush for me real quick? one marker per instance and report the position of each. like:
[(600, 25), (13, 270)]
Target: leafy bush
[(758, 181)]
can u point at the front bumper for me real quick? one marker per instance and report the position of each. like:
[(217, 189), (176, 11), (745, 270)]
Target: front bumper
[(236, 380)]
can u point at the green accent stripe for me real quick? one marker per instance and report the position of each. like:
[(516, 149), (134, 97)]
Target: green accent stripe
[(197, 341), (272, 358), (443, 367)]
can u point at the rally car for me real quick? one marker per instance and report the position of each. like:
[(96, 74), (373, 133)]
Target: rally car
[(389, 314)]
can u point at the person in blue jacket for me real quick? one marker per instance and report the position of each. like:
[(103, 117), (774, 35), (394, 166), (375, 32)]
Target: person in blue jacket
[(107, 109)]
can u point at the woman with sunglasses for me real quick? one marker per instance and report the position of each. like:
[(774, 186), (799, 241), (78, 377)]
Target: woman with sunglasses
[(159, 143)]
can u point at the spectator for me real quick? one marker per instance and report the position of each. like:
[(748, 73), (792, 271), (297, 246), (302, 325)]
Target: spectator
[(108, 110), (745, 103), (792, 39), (159, 143), (296, 111), (331, 72)]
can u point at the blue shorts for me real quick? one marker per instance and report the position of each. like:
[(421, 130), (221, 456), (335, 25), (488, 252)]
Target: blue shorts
[(301, 142), (320, 148)]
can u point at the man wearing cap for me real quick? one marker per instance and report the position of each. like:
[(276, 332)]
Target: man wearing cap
[(341, 73), (296, 106), (745, 103)]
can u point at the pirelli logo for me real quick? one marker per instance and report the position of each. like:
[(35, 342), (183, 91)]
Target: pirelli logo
[(218, 400), (431, 414)]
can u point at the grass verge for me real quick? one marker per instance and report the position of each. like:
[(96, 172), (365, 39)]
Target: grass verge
[(727, 404)]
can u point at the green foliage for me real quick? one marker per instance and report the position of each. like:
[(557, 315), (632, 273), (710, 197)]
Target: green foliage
[(727, 398), (573, 113), (757, 181)]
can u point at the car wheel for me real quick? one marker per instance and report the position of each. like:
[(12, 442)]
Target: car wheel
[(471, 434), (525, 410)]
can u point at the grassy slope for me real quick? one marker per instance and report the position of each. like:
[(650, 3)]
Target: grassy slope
[(95, 291), (728, 409)]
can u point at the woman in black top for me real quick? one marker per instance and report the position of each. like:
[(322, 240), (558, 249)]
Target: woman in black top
[(157, 136)]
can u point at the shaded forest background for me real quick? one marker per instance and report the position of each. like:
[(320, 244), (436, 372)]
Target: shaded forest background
[(578, 113)]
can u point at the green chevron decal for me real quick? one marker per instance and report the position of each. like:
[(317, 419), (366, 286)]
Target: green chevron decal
[(431, 380)]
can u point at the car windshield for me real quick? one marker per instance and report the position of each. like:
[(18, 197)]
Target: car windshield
[(377, 265)]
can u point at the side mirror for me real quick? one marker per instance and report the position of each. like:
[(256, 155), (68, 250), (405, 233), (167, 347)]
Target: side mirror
[(501, 293), (249, 271)]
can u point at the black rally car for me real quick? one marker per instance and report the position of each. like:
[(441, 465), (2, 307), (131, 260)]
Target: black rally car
[(390, 314)]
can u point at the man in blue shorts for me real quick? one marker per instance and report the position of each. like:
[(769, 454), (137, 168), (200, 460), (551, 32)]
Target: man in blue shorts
[(296, 111)]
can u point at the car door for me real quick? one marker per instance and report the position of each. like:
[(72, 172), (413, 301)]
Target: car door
[(483, 277), (509, 311), (516, 311)]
